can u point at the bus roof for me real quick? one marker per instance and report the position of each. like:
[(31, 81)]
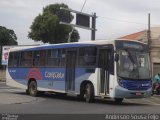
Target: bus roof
[(67, 45)]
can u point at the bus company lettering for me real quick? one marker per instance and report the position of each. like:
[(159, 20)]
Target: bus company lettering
[(54, 75)]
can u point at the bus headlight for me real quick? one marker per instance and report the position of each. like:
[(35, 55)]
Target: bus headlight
[(122, 83)]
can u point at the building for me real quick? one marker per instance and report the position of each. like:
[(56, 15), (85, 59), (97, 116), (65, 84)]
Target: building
[(155, 45)]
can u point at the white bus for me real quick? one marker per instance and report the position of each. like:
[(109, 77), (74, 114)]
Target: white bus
[(115, 69)]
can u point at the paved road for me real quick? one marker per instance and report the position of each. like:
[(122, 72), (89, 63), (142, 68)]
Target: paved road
[(15, 101)]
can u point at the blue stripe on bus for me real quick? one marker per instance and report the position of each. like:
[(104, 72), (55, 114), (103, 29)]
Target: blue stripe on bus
[(52, 78), (44, 73), (136, 85), (38, 73)]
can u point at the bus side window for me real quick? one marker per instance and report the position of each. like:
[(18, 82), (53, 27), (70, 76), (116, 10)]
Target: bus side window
[(39, 58), (26, 59), (42, 58), (36, 56), (87, 56), (52, 58), (62, 57), (13, 59)]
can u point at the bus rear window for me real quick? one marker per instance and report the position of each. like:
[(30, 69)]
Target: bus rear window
[(13, 59)]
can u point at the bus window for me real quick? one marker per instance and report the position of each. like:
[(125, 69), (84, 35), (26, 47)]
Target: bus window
[(26, 59), (39, 58), (13, 59), (36, 56), (62, 57), (52, 58), (42, 58), (87, 56)]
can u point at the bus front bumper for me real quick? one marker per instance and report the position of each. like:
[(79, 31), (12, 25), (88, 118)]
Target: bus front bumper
[(125, 93)]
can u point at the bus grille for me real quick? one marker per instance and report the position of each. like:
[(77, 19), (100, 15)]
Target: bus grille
[(136, 85)]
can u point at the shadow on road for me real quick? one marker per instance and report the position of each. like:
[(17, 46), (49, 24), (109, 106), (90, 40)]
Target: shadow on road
[(76, 99)]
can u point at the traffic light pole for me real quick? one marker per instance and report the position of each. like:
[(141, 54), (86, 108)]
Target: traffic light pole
[(93, 17), (93, 32)]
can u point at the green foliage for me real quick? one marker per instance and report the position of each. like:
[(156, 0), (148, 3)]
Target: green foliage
[(46, 27), (7, 37)]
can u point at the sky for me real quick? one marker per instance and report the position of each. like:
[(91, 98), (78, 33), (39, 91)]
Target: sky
[(115, 18)]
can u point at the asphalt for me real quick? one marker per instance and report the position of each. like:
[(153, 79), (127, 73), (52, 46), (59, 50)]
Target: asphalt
[(14, 100)]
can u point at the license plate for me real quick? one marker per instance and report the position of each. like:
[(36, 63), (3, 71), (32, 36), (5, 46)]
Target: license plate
[(138, 94)]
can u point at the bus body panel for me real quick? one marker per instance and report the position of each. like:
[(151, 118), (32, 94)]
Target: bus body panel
[(81, 76), (12, 82), (48, 78), (112, 86), (52, 79)]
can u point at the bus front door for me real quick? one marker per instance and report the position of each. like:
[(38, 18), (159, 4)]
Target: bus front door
[(103, 63), (70, 70)]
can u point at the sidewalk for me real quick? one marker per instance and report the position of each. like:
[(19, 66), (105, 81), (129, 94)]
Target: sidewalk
[(2, 75)]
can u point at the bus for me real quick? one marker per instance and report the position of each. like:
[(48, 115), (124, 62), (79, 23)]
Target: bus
[(115, 69)]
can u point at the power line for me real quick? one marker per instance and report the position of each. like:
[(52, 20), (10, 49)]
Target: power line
[(70, 33), (126, 21), (83, 5), (108, 18)]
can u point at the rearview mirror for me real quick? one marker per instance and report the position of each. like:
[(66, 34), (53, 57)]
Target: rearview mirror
[(116, 57)]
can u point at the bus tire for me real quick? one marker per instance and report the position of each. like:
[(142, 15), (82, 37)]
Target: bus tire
[(33, 88), (27, 91), (118, 101), (89, 93)]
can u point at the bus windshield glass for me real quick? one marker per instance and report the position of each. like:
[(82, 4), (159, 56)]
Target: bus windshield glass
[(133, 63)]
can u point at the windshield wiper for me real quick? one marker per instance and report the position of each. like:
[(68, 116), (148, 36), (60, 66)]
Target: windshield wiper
[(130, 56), (135, 67)]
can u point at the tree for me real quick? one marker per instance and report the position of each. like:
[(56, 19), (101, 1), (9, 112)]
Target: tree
[(7, 37), (46, 27)]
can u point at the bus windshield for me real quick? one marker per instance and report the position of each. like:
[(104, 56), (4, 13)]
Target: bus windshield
[(133, 64)]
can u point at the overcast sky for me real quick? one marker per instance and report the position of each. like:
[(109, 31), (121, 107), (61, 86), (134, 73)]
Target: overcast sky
[(116, 18)]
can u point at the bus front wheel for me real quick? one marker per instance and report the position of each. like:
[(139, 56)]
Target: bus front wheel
[(89, 92), (27, 92), (33, 88)]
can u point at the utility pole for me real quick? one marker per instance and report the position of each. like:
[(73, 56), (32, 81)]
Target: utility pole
[(149, 34), (149, 42)]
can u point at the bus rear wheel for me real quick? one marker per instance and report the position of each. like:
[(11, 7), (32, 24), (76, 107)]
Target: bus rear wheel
[(89, 93), (33, 88)]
